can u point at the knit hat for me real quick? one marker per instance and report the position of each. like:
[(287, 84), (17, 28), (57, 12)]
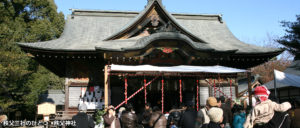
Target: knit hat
[(215, 114), (262, 93), (212, 102)]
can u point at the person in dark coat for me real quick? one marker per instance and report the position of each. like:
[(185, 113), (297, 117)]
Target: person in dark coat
[(174, 116), (146, 115), (188, 119), (128, 118), (82, 119), (216, 117), (110, 119)]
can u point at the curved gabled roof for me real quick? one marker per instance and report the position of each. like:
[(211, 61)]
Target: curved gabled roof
[(90, 30), (142, 42), (153, 4)]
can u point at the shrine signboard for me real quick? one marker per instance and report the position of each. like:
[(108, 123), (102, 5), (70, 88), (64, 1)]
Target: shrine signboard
[(46, 108)]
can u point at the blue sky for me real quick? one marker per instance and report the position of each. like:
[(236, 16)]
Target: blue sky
[(249, 20)]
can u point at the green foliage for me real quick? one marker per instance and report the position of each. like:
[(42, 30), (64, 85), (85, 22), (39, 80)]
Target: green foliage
[(22, 79), (292, 39), (98, 116)]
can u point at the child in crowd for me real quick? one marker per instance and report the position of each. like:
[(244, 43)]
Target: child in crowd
[(265, 109)]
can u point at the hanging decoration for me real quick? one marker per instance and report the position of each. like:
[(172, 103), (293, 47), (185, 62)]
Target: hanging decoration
[(219, 85), (230, 89), (167, 50), (136, 92), (215, 92), (145, 90), (125, 92), (180, 90), (216, 89), (197, 99), (162, 95)]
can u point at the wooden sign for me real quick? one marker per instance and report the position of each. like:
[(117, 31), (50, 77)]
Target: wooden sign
[(46, 108)]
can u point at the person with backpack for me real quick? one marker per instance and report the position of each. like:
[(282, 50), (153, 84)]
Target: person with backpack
[(157, 119), (216, 118), (266, 113), (202, 115)]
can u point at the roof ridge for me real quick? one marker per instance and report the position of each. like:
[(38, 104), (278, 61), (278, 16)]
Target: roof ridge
[(137, 12)]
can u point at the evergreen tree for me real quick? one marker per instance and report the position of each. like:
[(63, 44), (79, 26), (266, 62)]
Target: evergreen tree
[(22, 79), (291, 40)]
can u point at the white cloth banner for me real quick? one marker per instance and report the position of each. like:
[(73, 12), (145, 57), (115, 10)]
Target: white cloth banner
[(181, 68)]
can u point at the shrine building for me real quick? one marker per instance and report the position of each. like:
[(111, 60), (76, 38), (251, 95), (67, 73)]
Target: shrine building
[(108, 56)]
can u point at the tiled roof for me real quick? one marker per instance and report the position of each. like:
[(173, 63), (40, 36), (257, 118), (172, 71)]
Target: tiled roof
[(88, 30)]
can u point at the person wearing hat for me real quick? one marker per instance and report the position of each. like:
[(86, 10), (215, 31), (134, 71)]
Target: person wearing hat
[(215, 116), (265, 109), (110, 119), (202, 115), (82, 119)]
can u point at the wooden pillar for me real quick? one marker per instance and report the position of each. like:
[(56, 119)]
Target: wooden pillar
[(106, 85), (66, 94), (249, 88)]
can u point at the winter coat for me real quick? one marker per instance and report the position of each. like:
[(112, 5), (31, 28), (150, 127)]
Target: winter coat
[(129, 120), (83, 120), (188, 119), (239, 120), (109, 120), (161, 123), (211, 125), (264, 111), (146, 117)]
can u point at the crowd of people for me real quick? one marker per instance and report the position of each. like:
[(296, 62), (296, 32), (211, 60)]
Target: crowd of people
[(219, 112)]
